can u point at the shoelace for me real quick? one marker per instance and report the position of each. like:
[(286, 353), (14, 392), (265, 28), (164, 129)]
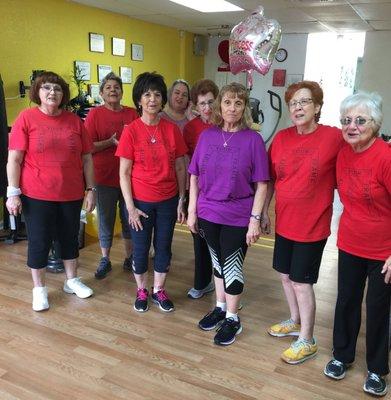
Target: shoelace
[(142, 294), (161, 295), (103, 263), (373, 376), (337, 363), (287, 322), (226, 323), (301, 343)]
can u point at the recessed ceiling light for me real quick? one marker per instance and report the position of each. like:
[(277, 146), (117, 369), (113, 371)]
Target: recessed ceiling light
[(209, 5)]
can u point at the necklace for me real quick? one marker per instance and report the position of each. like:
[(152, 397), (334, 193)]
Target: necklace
[(152, 135), (225, 144)]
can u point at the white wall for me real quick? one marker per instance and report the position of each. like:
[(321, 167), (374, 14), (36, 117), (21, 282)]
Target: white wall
[(375, 69), (296, 45)]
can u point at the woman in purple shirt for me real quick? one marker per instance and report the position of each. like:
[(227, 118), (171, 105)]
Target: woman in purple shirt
[(229, 174)]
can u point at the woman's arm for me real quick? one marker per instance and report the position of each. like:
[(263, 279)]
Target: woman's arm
[(254, 226), (105, 144), (15, 159), (192, 222), (125, 172), (265, 222), (180, 170), (88, 169)]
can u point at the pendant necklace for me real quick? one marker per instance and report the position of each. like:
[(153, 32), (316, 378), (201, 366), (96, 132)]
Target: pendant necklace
[(152, 135), (225, 144)]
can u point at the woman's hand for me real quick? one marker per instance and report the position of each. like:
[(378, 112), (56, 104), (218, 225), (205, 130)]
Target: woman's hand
[(114, 140), (135, 220), (253, 232), (387, 270), (14, 205), (90, 200), (192, 222), (265, 224), (181, 212)]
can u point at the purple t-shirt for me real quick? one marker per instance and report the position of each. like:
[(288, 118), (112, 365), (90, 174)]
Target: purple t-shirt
[(226, 175)]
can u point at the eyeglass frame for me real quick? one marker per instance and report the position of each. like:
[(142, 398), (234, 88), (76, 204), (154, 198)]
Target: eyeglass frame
[(302, 102), (48, 88), (203, 104), (358, 121)]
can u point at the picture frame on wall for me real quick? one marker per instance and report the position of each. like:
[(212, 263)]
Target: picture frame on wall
[(137, 51), (103, 70), (97, 42), (118, 46), (83, 70), (279, 77), (125, 74), (93, 91)]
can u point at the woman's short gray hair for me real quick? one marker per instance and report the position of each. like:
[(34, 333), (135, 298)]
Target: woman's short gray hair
[(111, 76), (372, 102)]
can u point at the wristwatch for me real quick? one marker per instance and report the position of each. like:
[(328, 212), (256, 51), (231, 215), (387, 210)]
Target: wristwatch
[(256, 216), (91, 189)]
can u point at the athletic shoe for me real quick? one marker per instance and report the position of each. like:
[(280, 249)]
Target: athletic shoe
[(127, 265), (103, 269), (197, 294), (227, 331), (299, 351), (77, 287), (161, 298), (141, 303), (375, 384), (40, 298), (212, 320), (335, 369), (285, 328)]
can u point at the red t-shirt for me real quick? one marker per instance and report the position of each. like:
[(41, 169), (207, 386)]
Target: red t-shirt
[(52, 168), (364, 185), (101, 124), (191, 133), (303, 170), (153, 175)]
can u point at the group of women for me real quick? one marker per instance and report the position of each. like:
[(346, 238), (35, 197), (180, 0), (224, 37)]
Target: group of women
[(201, 144)]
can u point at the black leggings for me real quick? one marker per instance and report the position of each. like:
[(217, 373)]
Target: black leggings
[(47, 221), (227, 247)]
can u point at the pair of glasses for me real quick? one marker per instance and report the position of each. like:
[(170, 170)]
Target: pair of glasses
[(203, 104), (301, 102), (49, 88), (359, 121)]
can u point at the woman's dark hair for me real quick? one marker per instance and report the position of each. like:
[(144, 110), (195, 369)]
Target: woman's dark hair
[(313, 87), (111, 76), (148, 81), (201, 88), (49, 77)]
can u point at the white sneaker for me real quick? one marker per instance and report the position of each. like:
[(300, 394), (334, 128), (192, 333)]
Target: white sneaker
[(196, 294), (77, 287), (40, 298)]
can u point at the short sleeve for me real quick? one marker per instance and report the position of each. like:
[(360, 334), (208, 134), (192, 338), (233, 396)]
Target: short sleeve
[(260, 170), (89, 124), (180, 145), (86, 140), (125, 147), (19, 137), (194, 163)]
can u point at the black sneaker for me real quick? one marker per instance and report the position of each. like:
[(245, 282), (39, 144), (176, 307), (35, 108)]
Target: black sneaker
[(375, 384), (141, 303), (103, 269), (212, 320), (335, 369), (228, 330), (127, 265), (161, 298)]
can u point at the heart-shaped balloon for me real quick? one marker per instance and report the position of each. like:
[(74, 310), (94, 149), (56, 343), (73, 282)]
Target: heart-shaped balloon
[(253, 43)]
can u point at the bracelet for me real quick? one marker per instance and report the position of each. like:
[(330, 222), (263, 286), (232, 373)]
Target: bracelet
[(13, 191), (258, 217), (182, 198), (91, 189)]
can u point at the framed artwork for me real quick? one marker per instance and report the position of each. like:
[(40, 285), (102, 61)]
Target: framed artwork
[(126, 74), (279, 76), (83, 70), (118, 46), (93, 91), (97, 42), (103, 70), (137, 52)]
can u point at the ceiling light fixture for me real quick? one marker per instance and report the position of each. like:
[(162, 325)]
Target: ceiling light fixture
[(209, 5)]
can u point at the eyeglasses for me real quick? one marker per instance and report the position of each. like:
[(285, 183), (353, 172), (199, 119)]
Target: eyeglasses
[(301, 103), (359, 121), (49, 88), (203, 104)]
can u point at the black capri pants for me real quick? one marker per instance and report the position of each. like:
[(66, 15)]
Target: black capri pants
[(47, 221)]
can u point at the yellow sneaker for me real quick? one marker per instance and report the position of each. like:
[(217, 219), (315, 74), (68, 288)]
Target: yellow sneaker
[(299, 351), (284, 328)]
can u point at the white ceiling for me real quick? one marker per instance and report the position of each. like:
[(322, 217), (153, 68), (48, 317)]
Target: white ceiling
[(295, 16)]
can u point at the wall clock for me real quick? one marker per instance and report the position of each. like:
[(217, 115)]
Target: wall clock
[(281, 55)]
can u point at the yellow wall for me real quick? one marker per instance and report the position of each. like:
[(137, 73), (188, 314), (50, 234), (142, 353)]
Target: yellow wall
[(51, 34)]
